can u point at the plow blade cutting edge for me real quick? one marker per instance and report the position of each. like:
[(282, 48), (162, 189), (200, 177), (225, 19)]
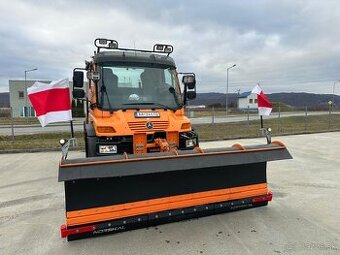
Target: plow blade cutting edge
[(122, 192)]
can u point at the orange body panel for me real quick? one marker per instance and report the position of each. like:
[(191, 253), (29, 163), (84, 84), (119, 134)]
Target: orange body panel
[(161, 204), (124, 123)]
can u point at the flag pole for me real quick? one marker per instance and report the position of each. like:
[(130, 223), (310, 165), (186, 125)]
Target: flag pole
[(261, 121), (72, 130)]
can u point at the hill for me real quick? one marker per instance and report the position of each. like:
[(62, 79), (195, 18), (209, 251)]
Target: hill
[(212, 98), (300, 100)]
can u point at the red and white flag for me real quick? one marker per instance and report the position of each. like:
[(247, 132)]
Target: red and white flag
[(265, 107), (51, 102)]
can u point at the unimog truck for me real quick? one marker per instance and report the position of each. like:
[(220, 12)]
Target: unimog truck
[(143, 163)]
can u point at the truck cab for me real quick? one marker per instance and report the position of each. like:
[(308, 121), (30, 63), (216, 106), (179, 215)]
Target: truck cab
[(134, 101)]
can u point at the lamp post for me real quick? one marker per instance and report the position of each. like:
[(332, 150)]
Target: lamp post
[(25, 93), (226, 95), (333, 99)]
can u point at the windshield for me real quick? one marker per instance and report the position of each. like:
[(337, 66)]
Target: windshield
[(124, 87)]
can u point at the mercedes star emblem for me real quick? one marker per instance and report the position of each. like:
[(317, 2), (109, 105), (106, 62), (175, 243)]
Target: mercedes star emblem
[(149, 125)]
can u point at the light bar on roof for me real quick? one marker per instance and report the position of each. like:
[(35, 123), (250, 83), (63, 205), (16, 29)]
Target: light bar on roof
[(164, 48), (106, 43)]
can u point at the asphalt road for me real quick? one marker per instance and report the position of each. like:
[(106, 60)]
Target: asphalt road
[(78, 126), (303, 217)]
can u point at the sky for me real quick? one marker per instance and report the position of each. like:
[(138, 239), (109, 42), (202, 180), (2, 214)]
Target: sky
[(286, 46)]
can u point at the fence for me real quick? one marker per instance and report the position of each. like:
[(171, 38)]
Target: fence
[(210, 124), (215, 124)]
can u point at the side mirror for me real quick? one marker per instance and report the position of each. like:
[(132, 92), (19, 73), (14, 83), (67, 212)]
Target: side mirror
[(78, 93), (191, 95), (78, 79), (189, 81)]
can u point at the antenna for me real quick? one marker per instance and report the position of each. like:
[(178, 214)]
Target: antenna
[(134, 47)]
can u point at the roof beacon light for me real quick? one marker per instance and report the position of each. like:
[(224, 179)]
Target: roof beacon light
[(159, 47), (168, 49), (113, 45), (164, 48), (105, 43), (102, 41)]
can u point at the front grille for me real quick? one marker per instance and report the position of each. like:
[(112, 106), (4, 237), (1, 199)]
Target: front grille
[(140, 126)]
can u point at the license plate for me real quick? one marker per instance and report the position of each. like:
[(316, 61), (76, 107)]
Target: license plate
[(147, 115), (107, 149)]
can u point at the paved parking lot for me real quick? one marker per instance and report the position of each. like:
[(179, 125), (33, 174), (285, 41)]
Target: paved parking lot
[(303, 218)]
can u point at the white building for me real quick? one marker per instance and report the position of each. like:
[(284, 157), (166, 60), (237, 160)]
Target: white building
[(21, 105), (247, 100)]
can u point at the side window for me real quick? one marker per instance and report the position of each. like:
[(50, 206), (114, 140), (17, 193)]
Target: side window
[(27, 112), (168, 77), (250, 100)]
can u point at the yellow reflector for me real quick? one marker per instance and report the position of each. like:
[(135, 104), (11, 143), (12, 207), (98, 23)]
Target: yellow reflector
[(105, 130), (185, 126)]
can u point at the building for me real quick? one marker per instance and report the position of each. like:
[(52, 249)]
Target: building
[(247, 101), (4, 100), (21, 105)]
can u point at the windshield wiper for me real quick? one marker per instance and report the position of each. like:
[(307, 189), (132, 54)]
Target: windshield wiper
[(147, 103), (103, 89)]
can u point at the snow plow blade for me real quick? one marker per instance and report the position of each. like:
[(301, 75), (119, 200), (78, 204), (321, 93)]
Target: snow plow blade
[(117, 193)]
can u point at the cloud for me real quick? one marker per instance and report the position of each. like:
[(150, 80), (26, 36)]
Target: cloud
[(286, 45)]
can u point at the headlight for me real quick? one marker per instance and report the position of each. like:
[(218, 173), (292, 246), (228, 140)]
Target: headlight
[(190, 143), (107, 149)]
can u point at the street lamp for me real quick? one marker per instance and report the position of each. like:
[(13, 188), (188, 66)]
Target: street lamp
[(25, 93), (226, 95), (333, 102)]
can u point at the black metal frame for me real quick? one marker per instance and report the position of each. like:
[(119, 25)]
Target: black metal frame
[(128, 49)]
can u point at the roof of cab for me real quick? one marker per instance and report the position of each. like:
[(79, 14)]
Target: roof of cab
[(133, 56)]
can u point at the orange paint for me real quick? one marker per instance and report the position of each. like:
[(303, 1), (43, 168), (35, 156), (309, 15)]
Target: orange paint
[(162, 204)]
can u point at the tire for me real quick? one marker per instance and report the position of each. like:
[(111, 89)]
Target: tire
[(91, 146), (90, 141)]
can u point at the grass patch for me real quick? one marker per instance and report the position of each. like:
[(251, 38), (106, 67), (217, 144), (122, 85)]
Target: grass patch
[(282, 126), (18, 121), (209, 112), (38, 141)]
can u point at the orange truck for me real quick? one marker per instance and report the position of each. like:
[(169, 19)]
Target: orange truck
[(143, 162)]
